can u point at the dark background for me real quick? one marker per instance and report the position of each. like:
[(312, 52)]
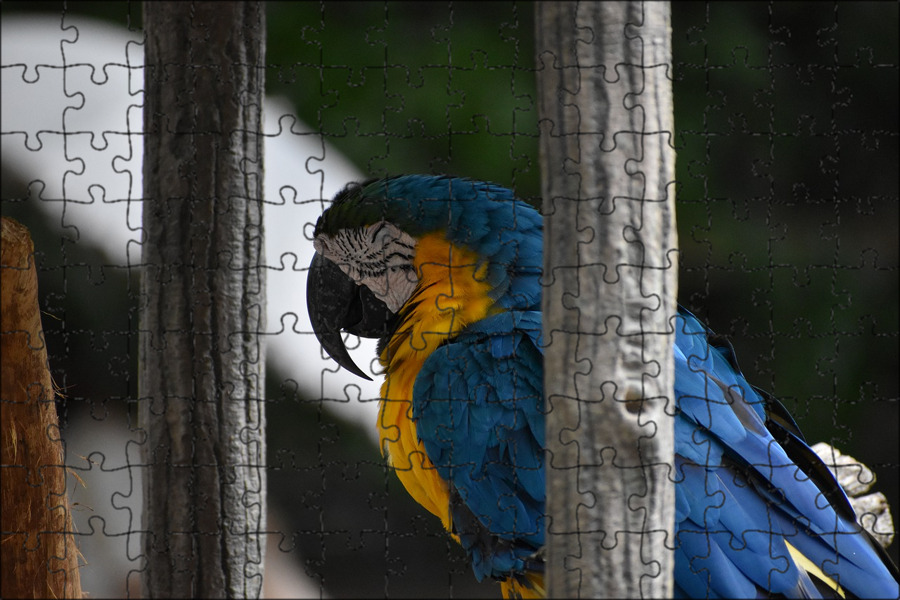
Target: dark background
[(786, 133)]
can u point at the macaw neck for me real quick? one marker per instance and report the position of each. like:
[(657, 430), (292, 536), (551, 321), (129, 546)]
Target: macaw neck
[(453, 292)]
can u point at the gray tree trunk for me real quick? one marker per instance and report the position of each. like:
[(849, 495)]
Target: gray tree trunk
[(610, 269), (203, 300)]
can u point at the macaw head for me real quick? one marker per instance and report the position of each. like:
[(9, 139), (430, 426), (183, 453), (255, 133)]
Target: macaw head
[(364, 272)]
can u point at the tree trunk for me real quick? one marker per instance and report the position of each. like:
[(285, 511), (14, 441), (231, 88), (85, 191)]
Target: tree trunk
[(610, 269), (203, 300)]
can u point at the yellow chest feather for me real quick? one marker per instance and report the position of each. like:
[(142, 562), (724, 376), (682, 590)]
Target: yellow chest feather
[(451, 293)]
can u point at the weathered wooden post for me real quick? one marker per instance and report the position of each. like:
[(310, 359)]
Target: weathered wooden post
[(203, 300), (610, 270)]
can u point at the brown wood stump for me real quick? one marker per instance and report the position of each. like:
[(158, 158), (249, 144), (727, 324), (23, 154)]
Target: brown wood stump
[(38, 558)]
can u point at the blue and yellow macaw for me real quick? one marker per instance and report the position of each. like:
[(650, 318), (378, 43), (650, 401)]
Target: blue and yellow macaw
[(445, 273)]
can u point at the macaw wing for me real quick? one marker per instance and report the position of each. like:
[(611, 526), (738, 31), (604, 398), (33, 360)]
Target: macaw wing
[(750, 516), (477, 407)]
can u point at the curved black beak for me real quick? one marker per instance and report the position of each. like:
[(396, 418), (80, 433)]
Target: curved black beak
[(335, 302)]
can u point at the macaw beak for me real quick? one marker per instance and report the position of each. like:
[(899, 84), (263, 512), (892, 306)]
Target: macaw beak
[(335, 302)]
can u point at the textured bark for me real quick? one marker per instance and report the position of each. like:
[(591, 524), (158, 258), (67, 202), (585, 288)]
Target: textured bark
[(610, 270), (203, 300), (873, 512), (39, 558)]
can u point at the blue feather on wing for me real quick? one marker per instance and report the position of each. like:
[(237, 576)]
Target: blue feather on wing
[(478, 413), (756, 499)]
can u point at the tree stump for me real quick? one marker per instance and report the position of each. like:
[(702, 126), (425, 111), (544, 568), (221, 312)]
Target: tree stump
[(39, 557)]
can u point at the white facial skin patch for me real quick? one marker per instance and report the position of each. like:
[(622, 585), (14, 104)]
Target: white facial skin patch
[(378, 256)]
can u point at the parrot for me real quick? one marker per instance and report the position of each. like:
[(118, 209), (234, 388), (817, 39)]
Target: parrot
[(445, 272)]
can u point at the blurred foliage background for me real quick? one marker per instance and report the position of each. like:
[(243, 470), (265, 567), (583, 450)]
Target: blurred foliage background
[(787, 190)]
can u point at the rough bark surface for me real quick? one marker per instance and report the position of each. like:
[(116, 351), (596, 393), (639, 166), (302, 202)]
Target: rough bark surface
[(39, 558), (203, 300), (610, 271)]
